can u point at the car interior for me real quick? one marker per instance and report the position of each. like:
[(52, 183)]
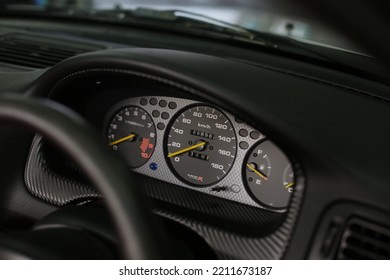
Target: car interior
[(125, 135)]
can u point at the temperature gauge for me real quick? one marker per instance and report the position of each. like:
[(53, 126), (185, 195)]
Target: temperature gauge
[(268, 175)]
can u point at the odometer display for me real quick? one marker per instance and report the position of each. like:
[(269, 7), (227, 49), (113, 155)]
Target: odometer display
[(201, 145)]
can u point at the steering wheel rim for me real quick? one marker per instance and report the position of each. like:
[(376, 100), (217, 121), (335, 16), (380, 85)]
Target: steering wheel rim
[(105, 170)]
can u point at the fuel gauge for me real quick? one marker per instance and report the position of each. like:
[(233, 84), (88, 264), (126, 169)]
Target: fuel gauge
[(268, 175)]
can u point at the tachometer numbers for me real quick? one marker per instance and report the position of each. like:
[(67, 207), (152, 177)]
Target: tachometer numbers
[(132, 133)]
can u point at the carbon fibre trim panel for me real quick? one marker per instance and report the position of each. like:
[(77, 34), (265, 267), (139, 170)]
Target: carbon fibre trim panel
[(232, 245), (54, 188), (233, 230), (210, 210)]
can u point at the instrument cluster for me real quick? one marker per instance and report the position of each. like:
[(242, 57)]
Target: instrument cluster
[(201, 147)]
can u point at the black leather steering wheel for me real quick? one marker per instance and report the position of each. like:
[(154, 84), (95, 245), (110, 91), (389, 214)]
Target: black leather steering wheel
[(111, 177)]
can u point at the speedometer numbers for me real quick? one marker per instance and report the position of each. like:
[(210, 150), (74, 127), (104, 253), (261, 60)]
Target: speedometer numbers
[(132, 133), (269, 175), (201, 145)]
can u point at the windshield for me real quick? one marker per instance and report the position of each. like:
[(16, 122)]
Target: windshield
[(281, 17)]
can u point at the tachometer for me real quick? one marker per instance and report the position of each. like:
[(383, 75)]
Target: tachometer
[(132, 133), (201, 145)]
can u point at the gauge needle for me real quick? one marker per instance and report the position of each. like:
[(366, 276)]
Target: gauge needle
[(122, 140), (193, 147), (257, 171), (289, 185)]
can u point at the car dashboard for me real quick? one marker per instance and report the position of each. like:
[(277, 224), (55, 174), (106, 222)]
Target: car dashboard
[(197, 162), (257, 161)]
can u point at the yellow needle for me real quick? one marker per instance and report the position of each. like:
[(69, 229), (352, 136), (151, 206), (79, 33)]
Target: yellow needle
[(289, 185), (193, 147), (257, 172), (122, 140)]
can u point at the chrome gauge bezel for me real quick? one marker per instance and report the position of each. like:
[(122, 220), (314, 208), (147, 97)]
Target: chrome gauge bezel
[(158, 168)]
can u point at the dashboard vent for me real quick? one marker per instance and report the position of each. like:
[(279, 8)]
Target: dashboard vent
[(38, 51), (364, 240)]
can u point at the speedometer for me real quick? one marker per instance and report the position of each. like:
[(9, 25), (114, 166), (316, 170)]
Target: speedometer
[(201, 145)]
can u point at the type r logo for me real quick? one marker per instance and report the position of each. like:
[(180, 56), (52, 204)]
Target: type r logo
[(196, 178)]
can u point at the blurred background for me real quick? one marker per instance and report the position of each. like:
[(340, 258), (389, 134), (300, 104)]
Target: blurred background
[(282, 17)]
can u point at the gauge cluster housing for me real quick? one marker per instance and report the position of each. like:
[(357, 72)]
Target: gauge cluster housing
[(231, 186)]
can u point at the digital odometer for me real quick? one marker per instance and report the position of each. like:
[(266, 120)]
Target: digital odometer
[(132, 133), (201, 145)]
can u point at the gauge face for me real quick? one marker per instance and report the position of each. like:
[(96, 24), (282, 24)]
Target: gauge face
[(269, 175), (201, 145), (132, 133)]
